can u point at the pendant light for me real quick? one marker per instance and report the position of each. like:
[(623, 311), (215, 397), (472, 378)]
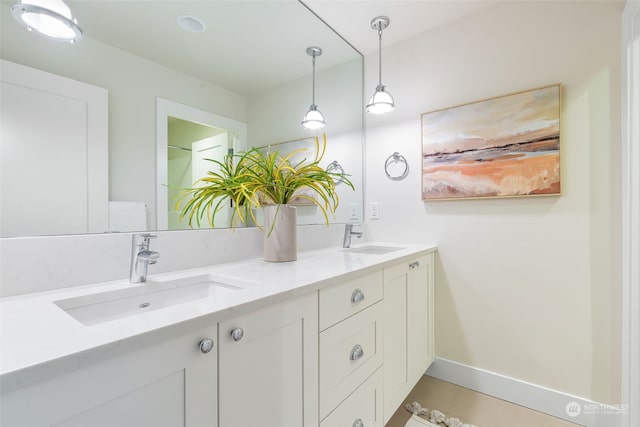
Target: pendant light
[(49, 17), (314, 118), (381, 102)]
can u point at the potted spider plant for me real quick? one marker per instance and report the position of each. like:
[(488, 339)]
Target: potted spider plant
[(271, 181)]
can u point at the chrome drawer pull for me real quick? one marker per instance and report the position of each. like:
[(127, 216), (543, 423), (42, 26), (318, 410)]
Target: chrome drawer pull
[(237, 334), (356, 352), (358, 423), (206, 345), (357, 296)]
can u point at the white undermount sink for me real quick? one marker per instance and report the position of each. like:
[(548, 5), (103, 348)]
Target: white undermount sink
[(374, 249), (107, 306)]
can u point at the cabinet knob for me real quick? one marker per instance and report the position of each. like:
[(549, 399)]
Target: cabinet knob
[(414, 264), (358, 423), (357, 296), (237, 334), (206, 345), (356, 352)]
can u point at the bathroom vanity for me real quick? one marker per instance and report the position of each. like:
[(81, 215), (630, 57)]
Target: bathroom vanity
[(337, 338)]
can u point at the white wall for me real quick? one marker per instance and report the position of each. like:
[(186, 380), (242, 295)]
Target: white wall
[(526, 287)]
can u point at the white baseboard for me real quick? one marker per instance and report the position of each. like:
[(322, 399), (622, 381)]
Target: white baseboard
[(555, 403)]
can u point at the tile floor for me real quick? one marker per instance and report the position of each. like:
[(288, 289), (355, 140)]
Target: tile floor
[(472, 407)]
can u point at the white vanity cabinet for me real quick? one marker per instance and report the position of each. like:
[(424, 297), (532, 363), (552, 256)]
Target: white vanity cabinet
[(408, 327), (166, 379), (262, 371), (342, 351), (268, 366), (351, 352), (376, 342)]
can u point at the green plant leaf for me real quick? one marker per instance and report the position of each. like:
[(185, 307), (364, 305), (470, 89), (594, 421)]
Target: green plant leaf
[(250, 179)]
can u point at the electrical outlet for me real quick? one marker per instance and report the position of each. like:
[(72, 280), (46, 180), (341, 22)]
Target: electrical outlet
[(354, 214), (374, 210)]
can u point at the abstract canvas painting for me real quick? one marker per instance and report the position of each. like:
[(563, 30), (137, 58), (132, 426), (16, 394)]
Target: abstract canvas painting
[(500, 147)]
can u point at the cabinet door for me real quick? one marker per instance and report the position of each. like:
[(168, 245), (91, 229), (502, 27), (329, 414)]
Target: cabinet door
[(408, 328), (268, 366), (395, 337), (159, 379), (420, 317)]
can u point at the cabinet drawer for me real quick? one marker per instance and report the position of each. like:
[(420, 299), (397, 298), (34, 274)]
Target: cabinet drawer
[(339, 302), (365, 404), (349, 353)]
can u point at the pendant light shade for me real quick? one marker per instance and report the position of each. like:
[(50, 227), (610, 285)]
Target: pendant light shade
[(381, 102), (52, 18), (314, 118)]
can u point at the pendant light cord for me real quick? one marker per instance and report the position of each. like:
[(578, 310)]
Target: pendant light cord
[(313, 81), (379, 55)]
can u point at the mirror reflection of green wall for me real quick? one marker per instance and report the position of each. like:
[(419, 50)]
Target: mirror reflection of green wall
[(188, 141)]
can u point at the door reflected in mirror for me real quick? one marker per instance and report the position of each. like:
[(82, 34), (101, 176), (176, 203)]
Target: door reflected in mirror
[(191, 146), (186, 138)]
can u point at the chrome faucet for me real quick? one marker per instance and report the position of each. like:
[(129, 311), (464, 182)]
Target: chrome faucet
[(348, 233), (141, 257)]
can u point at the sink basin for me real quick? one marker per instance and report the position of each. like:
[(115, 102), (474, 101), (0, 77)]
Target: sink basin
[(107, 306), (373, 249)]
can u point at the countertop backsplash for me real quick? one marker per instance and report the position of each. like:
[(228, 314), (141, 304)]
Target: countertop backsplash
[(35, 264)]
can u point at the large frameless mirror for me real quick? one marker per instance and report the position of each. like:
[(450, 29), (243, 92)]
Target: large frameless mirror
[(182, 81)]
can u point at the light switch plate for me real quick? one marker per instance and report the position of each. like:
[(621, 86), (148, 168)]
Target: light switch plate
[(354, 214), (374, 210)]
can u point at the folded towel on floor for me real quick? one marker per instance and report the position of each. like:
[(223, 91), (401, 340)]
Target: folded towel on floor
[(435, 417)]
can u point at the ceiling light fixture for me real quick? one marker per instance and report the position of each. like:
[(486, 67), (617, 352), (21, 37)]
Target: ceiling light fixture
[(190, 24), (314, 118), (381, 102), (49, 17)]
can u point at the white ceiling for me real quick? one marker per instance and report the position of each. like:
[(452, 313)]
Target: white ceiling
[(352, 18), (248, 45)]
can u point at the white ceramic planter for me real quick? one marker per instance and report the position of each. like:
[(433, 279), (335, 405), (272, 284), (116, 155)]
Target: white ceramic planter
[(280, 239)]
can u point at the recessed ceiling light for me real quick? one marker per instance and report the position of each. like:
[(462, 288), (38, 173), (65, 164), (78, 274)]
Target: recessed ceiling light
[(190, 23), (49, 17)]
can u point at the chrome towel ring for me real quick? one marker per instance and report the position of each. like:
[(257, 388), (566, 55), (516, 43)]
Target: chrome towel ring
[(335, 167), (396, 158)]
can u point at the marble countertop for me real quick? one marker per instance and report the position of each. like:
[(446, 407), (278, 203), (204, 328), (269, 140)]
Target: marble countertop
[(34, 330)]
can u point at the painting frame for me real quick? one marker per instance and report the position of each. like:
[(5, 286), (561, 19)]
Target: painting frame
[(500, 147)]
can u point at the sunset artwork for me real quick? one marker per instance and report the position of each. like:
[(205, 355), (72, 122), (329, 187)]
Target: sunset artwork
[(500, 147)]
